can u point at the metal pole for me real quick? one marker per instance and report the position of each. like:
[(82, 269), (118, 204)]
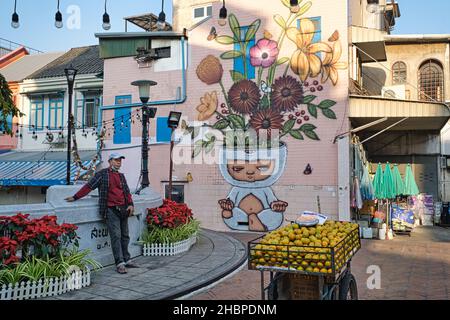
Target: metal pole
[(69, 134), (171, 165), (145, 181)]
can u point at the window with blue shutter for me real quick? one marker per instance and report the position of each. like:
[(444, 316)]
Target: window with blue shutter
[(163, 132), (55, 113), (239, 62), (317, 21), (36, 114), (122, 126)]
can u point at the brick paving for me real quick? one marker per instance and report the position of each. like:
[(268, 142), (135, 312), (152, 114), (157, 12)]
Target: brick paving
[(412, 268)]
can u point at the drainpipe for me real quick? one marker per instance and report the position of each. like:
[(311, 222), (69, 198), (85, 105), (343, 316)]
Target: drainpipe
[(181, 100)]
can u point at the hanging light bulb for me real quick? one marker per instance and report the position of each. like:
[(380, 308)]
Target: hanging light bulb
[(223, 15), (58, 18), (294, 6), (15, 17), (161, 23), (106, 21)]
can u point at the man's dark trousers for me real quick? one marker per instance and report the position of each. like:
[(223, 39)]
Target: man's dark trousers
[(118, 231)]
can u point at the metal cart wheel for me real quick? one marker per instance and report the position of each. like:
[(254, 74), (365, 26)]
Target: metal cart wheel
[(348, 289)]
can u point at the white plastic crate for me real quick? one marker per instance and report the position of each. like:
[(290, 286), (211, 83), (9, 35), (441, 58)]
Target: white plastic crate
[(45, 287), (169, 249)]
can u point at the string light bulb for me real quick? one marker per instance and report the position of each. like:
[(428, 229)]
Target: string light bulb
[(58, 18), (15, 17), (106, 21), (223, 15), (294, 6)]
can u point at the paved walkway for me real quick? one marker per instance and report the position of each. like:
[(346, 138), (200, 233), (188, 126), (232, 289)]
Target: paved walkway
[(412, 268), (213, 256)]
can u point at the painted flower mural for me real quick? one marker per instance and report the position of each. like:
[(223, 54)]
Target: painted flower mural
[(272, 100)]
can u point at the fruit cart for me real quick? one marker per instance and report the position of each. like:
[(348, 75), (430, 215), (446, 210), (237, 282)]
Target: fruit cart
[(307, 272)]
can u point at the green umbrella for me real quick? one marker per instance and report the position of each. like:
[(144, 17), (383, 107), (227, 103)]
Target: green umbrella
[(388, 183), (410, 184), (378, 183), (399, 186)]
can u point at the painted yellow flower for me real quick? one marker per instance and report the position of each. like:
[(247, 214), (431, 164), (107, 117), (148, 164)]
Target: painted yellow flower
[(304, 61), (331, 64), (208, 105)]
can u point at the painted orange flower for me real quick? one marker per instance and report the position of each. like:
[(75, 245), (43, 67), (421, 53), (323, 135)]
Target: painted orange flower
[(208, 106), (210, 70), (331, 64), (304, 61)]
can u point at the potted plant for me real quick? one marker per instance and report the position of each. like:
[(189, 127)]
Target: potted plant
[(171, 229), (39, 258)]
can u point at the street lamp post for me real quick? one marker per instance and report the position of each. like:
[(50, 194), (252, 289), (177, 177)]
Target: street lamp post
[(172, 123), (147, 113), (71, 73)]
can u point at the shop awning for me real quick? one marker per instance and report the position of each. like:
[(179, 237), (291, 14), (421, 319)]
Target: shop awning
[(421, 115), (370, 41), (26, 169)]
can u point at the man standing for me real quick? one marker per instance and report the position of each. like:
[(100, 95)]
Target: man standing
[(116, 205)]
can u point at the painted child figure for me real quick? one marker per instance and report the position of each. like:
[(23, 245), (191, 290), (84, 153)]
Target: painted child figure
[(251, 203)]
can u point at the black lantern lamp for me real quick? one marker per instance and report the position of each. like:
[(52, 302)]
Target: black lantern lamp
[(223, 15), (106, 21), (174, 119), (71, 73), (144, 95), (161, 23), (172, 122), (58, 18), (15, 17)]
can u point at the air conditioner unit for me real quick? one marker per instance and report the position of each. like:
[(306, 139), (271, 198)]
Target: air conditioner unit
[(394, 92)]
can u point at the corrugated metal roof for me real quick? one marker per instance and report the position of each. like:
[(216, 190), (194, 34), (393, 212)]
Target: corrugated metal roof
[(35, 169), (25, 66), (85, 59)]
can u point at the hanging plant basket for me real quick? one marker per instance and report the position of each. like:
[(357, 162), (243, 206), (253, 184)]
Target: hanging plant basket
[(169, 249), (47, 287)]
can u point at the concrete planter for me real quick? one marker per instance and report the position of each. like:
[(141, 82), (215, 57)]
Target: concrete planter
[(169, 249), (48, 287)]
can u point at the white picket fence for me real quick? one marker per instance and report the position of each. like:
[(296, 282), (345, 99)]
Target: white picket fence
[(169, 249), (45, 287)]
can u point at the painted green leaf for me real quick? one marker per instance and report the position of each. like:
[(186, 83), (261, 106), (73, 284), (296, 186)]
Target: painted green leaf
[(234, 25), (329, 113), (312, 108), (196, 151), (236, 76), (265, 103), (280, 21), (296, 134), (288, 125), (308, 130), (307, 127), (325, 104), (225, 40), (282, 61), (254, 27), (309, 99), (237, 121), (231, 54), (221, 124)]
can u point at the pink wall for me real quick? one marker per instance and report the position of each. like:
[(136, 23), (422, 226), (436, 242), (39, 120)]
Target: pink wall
[(299, 190)]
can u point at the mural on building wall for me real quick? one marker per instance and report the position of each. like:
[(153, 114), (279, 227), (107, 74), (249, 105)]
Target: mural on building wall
[(270, 93)]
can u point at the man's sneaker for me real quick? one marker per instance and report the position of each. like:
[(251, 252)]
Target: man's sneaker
[(121, 269), (131, 264)]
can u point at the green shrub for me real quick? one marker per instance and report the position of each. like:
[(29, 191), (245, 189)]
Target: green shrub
[(165, 235)]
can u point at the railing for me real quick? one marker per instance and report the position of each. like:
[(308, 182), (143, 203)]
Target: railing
[(8, 45)]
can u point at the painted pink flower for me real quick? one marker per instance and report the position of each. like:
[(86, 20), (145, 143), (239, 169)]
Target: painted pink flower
[(264, 53)]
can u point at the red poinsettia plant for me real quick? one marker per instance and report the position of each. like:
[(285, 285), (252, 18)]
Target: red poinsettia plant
[(41, 237), (170, 215)]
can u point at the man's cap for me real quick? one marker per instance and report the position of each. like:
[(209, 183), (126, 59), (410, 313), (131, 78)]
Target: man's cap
[(116, 155)]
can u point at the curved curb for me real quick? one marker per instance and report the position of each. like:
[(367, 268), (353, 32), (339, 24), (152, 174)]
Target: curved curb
[(215, 280)]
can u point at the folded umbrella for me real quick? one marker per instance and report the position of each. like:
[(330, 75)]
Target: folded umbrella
[(411, 188), (399, 186), (367, 192), (378, 183)]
